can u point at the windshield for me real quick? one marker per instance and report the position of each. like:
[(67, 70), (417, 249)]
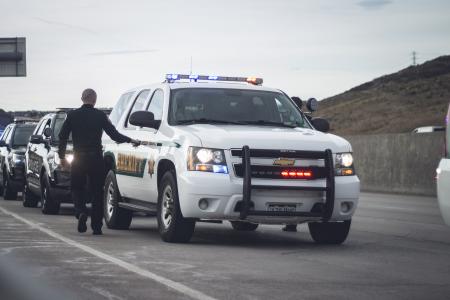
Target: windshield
[(232, 106), (22, 135), (57, 128)]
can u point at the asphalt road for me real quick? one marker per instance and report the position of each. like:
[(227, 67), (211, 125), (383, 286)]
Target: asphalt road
[(398, 248)]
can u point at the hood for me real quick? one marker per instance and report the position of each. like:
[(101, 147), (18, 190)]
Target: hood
[(266, 137)]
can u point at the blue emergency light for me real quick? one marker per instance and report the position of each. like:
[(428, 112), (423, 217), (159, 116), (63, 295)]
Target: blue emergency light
[(194, 78)]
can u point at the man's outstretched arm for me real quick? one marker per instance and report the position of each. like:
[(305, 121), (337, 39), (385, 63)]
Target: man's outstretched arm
[(116, 136)]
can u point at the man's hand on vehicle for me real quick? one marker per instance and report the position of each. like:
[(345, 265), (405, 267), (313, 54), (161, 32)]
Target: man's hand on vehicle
[(135, 143)]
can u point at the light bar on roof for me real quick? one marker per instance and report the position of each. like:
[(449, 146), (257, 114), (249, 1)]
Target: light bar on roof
[(194, 78)]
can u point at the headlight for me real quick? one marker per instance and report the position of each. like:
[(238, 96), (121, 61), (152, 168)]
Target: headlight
[(56, 161), (206, 160), (344, 164)]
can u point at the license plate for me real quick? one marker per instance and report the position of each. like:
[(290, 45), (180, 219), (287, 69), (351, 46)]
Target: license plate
[(282, 207)]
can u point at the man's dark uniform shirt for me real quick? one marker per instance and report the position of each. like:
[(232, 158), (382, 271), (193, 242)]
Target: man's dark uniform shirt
[(87, 125)]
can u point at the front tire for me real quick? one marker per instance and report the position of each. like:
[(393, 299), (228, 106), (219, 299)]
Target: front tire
[(172, 226), (329, 232), (243, 226), (28, 198), (8, 192), (50, 205), (115, 216)]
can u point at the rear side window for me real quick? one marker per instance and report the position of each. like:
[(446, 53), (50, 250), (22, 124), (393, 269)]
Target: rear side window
[(120, 108), (156, 104), (138, 105)]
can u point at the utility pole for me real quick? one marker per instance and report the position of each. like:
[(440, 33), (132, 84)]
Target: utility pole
[(414, 58)]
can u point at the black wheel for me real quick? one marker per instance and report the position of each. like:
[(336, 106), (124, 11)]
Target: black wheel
[(50, 205), (8, 192), (115, 216), (243, 226), (28, 198), (173, 227), (329, 232)]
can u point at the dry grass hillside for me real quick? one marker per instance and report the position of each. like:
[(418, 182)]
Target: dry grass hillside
[(413, 97)]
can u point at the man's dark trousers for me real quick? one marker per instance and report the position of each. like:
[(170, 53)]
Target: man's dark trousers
[(88, 167)]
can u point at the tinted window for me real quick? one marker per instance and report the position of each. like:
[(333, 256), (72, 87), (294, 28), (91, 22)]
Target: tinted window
[(57, 125), (120, 107), (138, 104), (156, 104), (22, 135), (243, 106)]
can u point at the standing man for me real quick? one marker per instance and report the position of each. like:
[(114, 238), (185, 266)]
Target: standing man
[(87, 125)]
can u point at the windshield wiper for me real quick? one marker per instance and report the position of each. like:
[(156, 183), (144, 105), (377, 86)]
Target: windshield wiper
[(208, 121), (268, 123)]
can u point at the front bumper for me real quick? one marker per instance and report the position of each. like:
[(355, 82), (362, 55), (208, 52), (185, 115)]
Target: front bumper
[(226, 197)]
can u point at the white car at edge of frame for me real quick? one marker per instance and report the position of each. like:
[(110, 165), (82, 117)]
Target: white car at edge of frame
[(443, 177)]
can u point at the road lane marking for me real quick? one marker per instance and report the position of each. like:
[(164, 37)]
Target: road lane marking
[(179, 287)]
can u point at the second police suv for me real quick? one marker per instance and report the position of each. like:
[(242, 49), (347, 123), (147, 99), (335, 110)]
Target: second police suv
[(226, 148)]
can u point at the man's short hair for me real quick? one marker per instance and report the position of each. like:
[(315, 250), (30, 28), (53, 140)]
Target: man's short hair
[(89, 96)]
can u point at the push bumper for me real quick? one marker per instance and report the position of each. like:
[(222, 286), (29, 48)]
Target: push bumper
[(230, 198)]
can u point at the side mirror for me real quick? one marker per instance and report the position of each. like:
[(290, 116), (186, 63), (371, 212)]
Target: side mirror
[(312, 104), (2, 144), (297, 101), (36, 139), (47, 132), (144, 119), (321, 124)]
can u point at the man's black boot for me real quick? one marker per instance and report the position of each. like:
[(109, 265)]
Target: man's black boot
[(97, 232), (82, 219)]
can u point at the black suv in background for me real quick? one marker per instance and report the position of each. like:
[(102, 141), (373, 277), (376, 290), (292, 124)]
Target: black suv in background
[(46, 181), (13, 144)]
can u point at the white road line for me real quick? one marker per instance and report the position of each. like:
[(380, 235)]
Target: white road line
[(183, 289)]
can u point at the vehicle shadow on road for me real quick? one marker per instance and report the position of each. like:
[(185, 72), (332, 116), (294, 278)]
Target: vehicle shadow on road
[(223, 235)]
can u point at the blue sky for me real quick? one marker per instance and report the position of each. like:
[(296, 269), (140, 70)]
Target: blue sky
[(306, 48)]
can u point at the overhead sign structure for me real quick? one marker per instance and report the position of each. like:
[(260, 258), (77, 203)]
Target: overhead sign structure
[(13, 57)]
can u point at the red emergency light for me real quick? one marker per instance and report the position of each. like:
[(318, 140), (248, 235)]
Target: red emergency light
[(300, 174)]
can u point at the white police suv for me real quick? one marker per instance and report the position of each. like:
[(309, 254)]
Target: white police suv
[(226, 148)]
